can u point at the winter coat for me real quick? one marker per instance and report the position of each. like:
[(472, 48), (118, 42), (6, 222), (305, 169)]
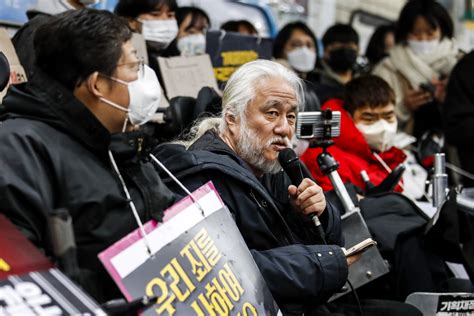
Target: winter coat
[(388, 216), (54, 154), (417, 122), (458, 113), (440, 62), (353, 153), (282, 242)]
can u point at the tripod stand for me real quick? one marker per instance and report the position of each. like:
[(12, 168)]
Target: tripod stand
[(371, 265), (329, 166)]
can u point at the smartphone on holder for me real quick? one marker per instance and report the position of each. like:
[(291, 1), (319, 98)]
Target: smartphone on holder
[(318, 124), (360, 247)]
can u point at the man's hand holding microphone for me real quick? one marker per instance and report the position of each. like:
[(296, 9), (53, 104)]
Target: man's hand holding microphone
[(305, 194)]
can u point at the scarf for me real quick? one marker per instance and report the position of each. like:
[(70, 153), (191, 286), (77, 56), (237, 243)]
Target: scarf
[(418, 69)]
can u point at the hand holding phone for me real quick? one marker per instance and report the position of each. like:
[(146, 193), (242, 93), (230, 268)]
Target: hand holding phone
[(428, 87), (414, 99)]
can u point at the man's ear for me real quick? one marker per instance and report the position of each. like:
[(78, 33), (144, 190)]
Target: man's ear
[(231, 122), (97, 85)]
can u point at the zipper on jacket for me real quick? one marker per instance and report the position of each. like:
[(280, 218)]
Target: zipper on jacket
[(255, 198), (263, 206), (140, 144)]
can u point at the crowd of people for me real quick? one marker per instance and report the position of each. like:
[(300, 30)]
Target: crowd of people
[(76, 137)]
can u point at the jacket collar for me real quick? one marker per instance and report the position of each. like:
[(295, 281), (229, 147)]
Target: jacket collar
[(210, 152), (212, 142)]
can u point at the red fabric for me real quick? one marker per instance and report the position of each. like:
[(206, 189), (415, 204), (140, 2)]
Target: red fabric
[(428, 162), (353, 154), (17, 254)]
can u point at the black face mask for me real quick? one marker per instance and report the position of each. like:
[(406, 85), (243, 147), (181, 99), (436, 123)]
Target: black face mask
[(342, 59)]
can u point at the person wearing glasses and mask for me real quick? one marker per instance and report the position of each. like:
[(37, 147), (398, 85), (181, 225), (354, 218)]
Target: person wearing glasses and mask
[(295, 47), (419, 65), (155, 20), (38, 15), (66, 141)]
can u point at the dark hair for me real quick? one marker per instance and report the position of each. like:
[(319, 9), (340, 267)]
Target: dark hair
[(285, 34), (367, 90), (233, 26), (73, 45), (434, 13), (133, 8), (343, 33), (196, 13), (375, 51)]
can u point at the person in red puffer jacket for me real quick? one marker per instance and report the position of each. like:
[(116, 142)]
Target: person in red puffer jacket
[(368, 129)]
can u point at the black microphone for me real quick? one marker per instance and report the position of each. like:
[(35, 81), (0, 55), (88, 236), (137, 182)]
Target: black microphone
[(297, 171)]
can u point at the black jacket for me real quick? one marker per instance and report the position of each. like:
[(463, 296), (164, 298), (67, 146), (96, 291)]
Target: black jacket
[(458, 112), (324, 84), (54, 154), (282, 242)]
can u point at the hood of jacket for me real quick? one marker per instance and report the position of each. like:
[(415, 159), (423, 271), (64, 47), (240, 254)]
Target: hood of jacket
[(209, 151), (46, 100)]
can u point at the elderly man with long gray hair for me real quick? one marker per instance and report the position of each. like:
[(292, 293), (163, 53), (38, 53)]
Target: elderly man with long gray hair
[(238, 151)]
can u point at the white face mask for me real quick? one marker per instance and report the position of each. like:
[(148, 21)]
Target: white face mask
[(160, 31), (192, 45), (144, 94), (423, 47), (379, 135), (302, 59)]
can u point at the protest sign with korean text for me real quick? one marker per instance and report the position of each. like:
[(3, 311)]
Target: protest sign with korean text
[(199, 263), (228, 51), (44, 293)]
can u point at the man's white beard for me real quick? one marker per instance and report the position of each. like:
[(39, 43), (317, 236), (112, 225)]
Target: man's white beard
[(250, 149)]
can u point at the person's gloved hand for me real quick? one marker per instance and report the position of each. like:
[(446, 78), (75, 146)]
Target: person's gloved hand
[(389, 183)]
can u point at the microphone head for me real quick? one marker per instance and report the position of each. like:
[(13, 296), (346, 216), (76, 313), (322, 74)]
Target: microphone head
[(286, 157)]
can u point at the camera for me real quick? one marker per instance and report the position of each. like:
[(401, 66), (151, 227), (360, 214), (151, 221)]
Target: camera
[(319, 125)]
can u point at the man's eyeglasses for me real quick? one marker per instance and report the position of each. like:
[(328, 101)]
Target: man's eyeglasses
[(139, 66)]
